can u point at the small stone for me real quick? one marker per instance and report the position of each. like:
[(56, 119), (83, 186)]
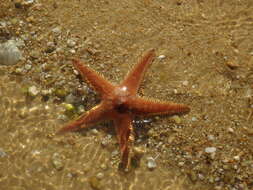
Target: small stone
[(104, 142), (56, 30), (161, 56), (35, 54), (19, 70), (211, 137), (80, 109), (3, 24), (201, 176), (100, 175), (115, 153), (72, 51), (50, 47), (30, 19), (9, 53), (60, 92), (185, 83), (28, 66), (2, 153), (232, 65), (69, 107), (210, 150), (151, 163), (35, 152), (57, 161), (94, 131), (103, 166), (46, 92), (176, 119), (237, 158), (71, 43), (231, 130), (194, 119), (33, 91)]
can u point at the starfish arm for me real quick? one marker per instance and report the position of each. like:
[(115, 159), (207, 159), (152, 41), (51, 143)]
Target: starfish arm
[(135, 76), (145, 107), (87, 119), (97, 81), (124, 129)]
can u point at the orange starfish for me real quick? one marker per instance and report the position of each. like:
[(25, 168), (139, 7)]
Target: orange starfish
[(120, 103)]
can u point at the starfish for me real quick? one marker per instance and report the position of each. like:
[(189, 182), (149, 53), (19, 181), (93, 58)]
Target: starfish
[(120, 103)]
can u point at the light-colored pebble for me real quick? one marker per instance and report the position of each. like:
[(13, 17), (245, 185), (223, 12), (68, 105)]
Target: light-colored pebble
[(161, 56), (2, 153), (33, 91), (100, 175), (194, 119), (185, 83), (56, 30), (176, 119), (9, 53), (231, 130), (71, 43), (151, 164), (211, 137), (237, 158), (210, 149)]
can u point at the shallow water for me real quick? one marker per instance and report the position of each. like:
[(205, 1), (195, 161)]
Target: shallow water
[(204, 59)]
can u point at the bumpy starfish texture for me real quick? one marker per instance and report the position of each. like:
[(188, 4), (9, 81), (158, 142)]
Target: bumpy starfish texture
[(120, 103)]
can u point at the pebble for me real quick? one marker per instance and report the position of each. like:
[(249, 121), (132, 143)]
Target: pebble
[(176, 119), (231, 130), (57, 161), (103, 166), (9, 53), (50, 47), (71, 43), (70, 99), (35, 54), (201, 176), (33, 91), (56, 30), (2, 153), (185, 83), (237, 158), (69, 107), (3, 24), (94, 131), (46, 92), (100, 175), (72, 51), (28, 66), (151, 163), (211, 137), (115, 153), (161, 56), (194, 119), (210, 149), (80, 109)]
